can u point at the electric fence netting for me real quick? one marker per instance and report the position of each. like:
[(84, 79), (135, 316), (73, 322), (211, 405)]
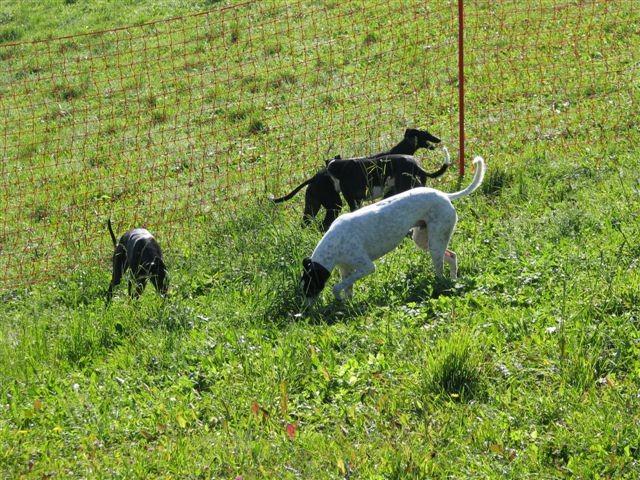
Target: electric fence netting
[(172, 123), (549, 59)]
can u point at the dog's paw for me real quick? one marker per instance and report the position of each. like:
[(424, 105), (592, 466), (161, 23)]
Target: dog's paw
[(342, 294), (338, 293)]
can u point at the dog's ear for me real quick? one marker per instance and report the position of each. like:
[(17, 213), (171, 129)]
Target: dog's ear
[(407, 132), (156, 266), (306, 264), (430, 137), (165, 280), (328, 161)]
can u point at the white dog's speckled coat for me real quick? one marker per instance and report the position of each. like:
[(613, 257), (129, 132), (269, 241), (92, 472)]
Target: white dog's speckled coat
[(355, 239)]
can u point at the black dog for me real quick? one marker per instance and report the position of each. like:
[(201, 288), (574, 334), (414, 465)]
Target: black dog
[(322, 191), (367, 178), (138, 251)]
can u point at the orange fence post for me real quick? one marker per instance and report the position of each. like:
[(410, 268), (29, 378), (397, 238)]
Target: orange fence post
[(461, 83)]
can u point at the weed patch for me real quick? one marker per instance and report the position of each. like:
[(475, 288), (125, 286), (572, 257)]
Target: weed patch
[(454, 369)]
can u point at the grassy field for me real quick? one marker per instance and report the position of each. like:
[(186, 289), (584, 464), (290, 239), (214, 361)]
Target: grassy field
[(527, 367)]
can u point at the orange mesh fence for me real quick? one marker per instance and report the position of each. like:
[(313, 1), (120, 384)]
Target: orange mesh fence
[(550, 71), (164, 125)]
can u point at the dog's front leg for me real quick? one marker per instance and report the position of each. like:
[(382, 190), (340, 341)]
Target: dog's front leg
[(138, 287), (311, 209), (353, 205), (348, 291), (344, 289)]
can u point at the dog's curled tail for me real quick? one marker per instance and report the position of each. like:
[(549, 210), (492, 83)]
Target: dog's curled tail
[(290, 195), (477, 180), (442, 169), (113, 237), (447, 158)]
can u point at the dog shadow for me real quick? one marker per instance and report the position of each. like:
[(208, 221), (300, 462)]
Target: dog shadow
[(419, 290), (432, 288), (333, 311), (286, 308), (338, 311)]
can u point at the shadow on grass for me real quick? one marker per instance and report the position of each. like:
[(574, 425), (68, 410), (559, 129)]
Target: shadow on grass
[(417, 286), (288, 308)]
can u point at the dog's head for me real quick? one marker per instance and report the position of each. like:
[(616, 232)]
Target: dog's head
[(314, 278), (159, 276), (421, 138)]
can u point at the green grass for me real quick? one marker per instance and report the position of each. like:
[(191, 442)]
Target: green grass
[(527, 367)]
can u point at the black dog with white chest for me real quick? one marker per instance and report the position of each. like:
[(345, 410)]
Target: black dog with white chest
[(382, 176), (139, 252), (322, 190)]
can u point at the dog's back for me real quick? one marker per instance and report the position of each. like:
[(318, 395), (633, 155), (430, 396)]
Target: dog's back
[(141, 247), (378, 228)]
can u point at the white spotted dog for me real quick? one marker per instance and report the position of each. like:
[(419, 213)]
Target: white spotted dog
[(358, 238)]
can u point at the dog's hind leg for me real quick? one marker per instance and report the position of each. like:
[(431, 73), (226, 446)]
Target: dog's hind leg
[(311, 209), (420, 237), (329, 217), (119, 265), (452, 260), (322, 193), (437, 257), (332, 205), (439, 233)]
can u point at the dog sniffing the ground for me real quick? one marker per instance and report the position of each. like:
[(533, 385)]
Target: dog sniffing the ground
[(139, 252), (383, 176), (358, 238), (322, 190)]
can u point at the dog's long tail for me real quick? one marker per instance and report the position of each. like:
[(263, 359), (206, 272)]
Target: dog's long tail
[(477, 180), (290, 195), (113, 237), (423, 174)]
